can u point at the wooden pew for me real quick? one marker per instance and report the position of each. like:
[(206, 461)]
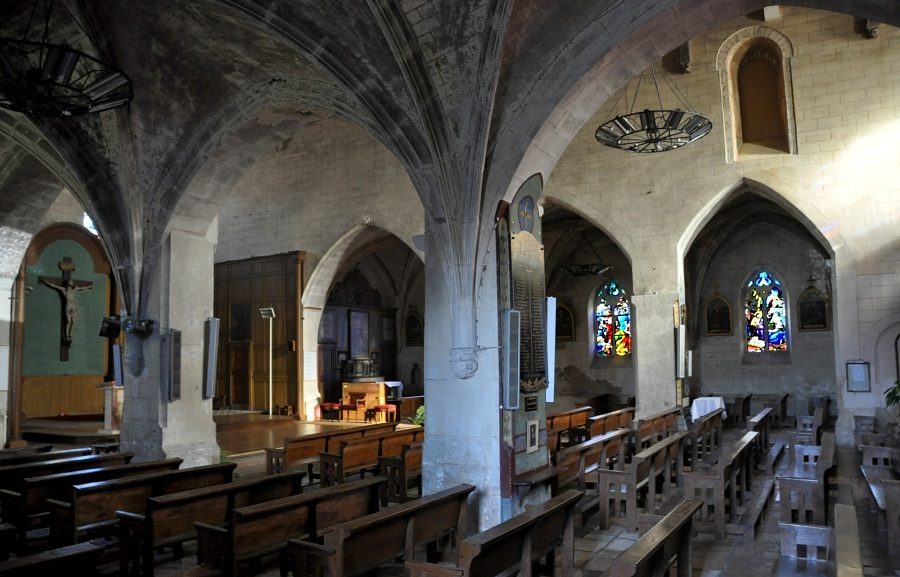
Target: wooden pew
[(304, 451), (704, 438), (10, 475), (808, 429), (767, 451), (349, 548), (879, 464), (257, 530), (891, 490), (666, 543), (168, 520), (570, 419), (517, 543), (663, 459), (738, 408), (19, 456), (724, 489), (401, 472), (803, 485), (656, 427), (25, 506), (578, 466), (91, 508), (778, 402), (847, 557), (359, 456), (73, 561), (601, 424)]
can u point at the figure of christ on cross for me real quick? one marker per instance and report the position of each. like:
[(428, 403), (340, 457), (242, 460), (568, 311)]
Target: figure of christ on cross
[(67, 287)]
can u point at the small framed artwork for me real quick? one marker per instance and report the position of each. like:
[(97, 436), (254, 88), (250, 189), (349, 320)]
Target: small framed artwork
[(718, 317), (415, 333), (565, 323), (532, 436), (813, 310), (858, 377)]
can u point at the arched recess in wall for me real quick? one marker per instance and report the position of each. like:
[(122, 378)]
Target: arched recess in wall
[(68, 289), (354, 300), (571, 240), (755, 241), (755, 78)]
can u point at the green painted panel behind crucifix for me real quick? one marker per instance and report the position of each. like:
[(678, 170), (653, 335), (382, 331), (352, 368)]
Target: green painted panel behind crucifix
[(45, 318)]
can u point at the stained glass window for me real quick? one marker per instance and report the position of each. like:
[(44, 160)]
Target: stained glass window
[(765, 314), (612, 315)]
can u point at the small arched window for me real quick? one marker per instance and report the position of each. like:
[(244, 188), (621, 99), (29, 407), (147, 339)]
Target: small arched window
[(765, 314), (612, 319)]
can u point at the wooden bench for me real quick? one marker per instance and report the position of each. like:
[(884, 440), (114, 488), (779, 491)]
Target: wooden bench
[(348, 548), (517, 543), (360, 456), (704, 438), (809, 427), (879, 464), (622, 488), (11, 475), (738, 408), (570, 419), (577, 467), (91, 508), (818, 549), (401, 472), (778, 402), (168, 520), (656, 427), (891, 490), (258, 530), (666, 543), (19, 456), (73, 561), (766, 451), (724, 490), (304, 451), (803, 484), (602, 424), (25, 505)]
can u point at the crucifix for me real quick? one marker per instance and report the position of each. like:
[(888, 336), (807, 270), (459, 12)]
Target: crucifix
[(67, 287)]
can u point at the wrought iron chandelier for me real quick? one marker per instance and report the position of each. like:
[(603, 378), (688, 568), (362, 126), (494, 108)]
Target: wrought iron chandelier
[(654, 130), (41, 78), (587, 269)]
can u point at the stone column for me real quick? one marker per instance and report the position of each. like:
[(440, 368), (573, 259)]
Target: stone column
[(462, 444), (6, 304), (181, 299), (654, 350)]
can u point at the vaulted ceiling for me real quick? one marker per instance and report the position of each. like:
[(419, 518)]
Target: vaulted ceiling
[(458, 90)]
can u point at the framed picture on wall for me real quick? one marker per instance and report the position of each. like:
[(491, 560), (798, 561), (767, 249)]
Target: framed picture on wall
[(565, 323), (415, 333), (359, 334), (813, 310), (858, 377), (532, 440), (718, 316)]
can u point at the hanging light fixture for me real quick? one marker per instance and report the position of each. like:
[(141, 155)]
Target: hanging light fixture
[(40, 78), (654, 130), (587, 269)]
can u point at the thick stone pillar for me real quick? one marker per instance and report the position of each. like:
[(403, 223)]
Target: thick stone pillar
[(6, 315), (181, 299), (654, 350), (462, 444)]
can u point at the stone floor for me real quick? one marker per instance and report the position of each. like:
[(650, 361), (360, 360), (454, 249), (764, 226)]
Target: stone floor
[(595, 550)]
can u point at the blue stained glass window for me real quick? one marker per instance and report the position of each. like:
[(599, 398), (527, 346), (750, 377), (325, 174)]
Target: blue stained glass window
[(765, 314), (612, 315)]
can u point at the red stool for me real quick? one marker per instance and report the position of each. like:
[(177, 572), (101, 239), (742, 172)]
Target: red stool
[(328, 411), (388, 412)]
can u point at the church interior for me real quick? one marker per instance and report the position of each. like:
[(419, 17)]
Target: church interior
[(226, 224)]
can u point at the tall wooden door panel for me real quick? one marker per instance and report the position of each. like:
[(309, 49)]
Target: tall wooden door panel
[(241, 364)]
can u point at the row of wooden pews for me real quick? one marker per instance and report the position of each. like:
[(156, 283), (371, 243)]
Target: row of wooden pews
[(880, 466)]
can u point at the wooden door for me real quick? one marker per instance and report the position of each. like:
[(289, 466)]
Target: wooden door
[(241, 363), (331, 387)]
